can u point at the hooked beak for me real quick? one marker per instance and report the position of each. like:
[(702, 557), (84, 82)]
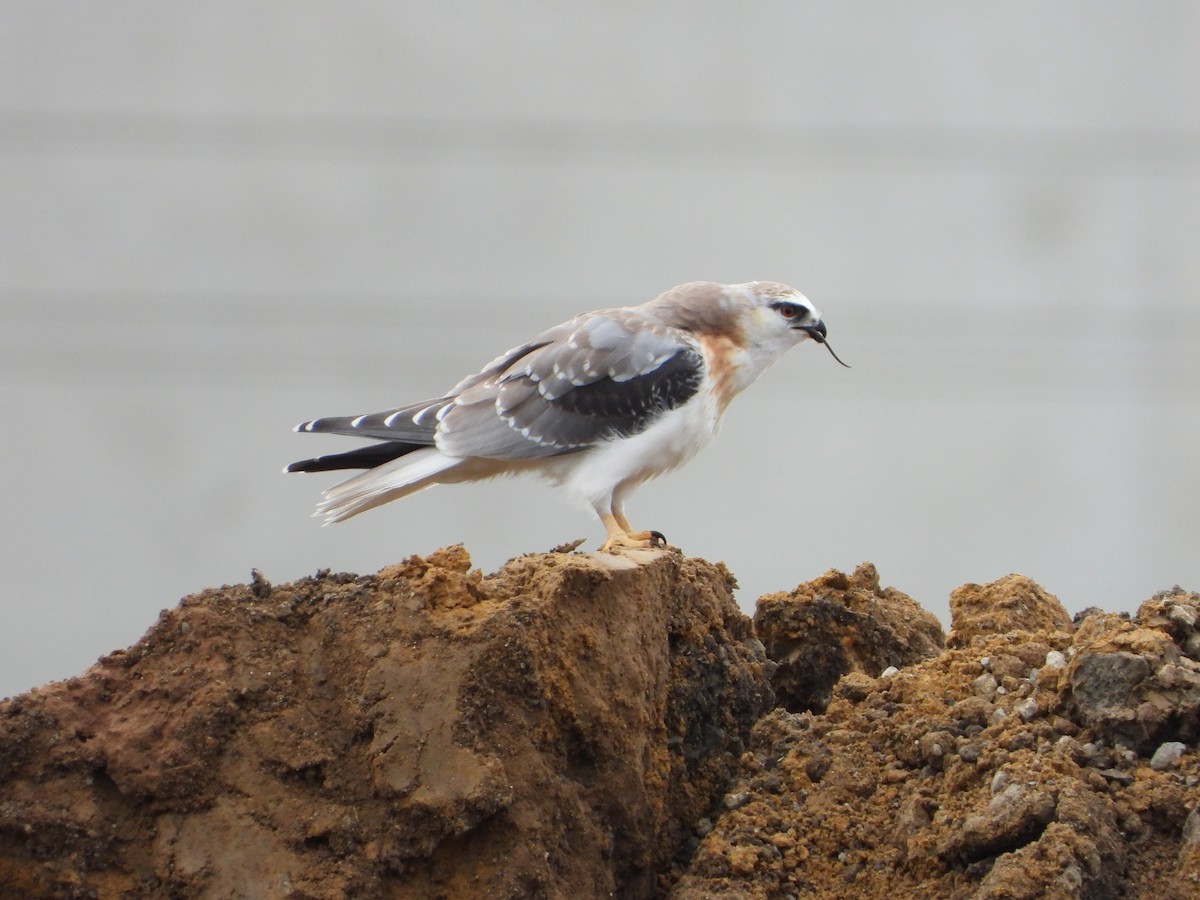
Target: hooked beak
[(815, 331)]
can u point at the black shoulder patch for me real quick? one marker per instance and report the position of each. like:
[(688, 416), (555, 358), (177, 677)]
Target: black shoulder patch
[(624, 408)]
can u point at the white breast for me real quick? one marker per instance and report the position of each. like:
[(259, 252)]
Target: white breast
[(617, 466)]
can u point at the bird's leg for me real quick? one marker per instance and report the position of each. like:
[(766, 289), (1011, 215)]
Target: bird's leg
[(619, 515), (621, 535)]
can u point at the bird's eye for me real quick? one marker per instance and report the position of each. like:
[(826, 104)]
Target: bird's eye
[(788, 310)]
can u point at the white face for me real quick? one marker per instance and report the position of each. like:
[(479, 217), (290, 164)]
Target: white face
[(778, 323)]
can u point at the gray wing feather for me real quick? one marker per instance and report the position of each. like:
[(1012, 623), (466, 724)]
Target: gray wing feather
[(418, 422), (415, 424), (598, 376), (601, 375)]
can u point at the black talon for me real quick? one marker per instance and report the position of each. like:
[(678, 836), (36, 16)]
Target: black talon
[(658, 539)]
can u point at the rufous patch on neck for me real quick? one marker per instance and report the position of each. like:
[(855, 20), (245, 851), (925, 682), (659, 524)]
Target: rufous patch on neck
[(720, 355)]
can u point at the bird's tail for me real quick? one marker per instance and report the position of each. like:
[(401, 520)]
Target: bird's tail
[(406, 475), (362, 458)]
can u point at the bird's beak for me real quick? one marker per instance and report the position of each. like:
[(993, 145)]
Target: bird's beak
[(816, 331)]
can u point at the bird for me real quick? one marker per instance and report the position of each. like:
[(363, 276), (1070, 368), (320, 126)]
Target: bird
[(598, 404)]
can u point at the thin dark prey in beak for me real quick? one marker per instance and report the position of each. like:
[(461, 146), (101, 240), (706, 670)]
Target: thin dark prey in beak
[(831, 353), (820, 339)]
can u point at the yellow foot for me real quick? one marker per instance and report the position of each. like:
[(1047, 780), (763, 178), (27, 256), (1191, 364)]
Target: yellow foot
[(637, 540)]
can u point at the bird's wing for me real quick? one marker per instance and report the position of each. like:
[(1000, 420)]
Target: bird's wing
[(417, 423), (601, 375)]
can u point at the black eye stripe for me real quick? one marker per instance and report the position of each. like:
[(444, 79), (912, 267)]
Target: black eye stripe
[(789, 310)]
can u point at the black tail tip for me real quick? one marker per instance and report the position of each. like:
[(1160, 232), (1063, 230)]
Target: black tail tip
[(317, 464)]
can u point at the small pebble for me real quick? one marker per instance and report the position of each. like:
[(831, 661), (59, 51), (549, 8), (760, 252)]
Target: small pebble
[(733, 801), (1191, 646), (889, 672), (1027, 709), (985, 685), (1181, 615), (1055, 660), (1167, 755), (999, 781)]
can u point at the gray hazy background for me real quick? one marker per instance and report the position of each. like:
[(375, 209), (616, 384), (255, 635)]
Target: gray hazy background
[(219, 219)]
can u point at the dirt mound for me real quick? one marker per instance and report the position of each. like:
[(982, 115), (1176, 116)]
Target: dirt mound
[(1042, 761), (597, 726), (836, 625), (553, 728)]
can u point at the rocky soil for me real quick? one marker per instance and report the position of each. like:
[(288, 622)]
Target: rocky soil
[(1034, 758), (579, 725)]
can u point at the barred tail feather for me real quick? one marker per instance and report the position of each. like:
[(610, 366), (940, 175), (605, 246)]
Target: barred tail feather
[(406, 475)]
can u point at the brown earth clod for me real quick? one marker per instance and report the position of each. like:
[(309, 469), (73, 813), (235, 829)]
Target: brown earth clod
[(429, 731), (579, 725)]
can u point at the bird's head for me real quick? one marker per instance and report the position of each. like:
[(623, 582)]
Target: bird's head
[(765, 318), (776, 317)]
